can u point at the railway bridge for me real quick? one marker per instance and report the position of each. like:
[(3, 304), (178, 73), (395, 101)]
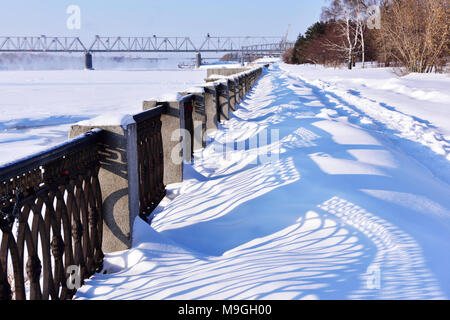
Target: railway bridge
[(244, 46)]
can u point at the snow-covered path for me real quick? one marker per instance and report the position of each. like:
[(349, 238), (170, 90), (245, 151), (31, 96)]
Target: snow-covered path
[(414, 110), (324, 212)]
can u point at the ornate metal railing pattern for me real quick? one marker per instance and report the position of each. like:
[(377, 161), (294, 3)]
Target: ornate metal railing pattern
[(188, 119), (241, 87), (150, 160), (222, 94), (232, 93), (50, 220)]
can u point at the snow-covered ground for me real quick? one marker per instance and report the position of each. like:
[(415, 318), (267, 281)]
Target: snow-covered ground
[(38, 107), (414, 110), (341, 205)]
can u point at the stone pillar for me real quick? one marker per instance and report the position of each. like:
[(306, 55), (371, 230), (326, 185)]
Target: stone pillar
[(119, 183), (198, 60)]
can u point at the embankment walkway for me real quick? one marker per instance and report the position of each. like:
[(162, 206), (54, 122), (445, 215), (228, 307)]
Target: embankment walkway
[(289, 201)]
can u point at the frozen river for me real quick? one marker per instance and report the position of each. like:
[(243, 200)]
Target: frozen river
[(38, 107)]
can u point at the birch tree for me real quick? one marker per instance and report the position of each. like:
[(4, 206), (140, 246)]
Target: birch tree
[(349, 16)]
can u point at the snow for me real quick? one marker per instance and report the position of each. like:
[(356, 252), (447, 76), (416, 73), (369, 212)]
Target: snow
[(414, 107), (221, 65), (169, 97), (217, 76), (38, 107), (338, 195), (266, 60), (109, 119), (195, 90)]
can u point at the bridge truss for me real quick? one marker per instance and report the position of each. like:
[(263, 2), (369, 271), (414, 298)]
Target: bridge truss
[(135, 44), (244, 47), (274, 49)]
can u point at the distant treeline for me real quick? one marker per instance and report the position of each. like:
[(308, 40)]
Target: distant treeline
[(411, 34)]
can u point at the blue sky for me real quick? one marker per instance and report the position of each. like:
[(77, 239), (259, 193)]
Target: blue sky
[(193, 18)]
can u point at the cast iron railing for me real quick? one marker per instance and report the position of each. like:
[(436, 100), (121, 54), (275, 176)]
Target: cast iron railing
[(189, 104), (223, 99), (150, 160), (51, 221)]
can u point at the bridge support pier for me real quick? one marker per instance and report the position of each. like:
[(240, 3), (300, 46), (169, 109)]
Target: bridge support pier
[(88, 61), (198, 60)]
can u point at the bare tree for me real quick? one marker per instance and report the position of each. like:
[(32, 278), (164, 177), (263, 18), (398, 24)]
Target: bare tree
[(415, 33), (363, 14), (350, 17)]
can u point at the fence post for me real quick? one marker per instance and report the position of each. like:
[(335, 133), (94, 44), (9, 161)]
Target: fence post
[(211, 107), (118, 183)]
